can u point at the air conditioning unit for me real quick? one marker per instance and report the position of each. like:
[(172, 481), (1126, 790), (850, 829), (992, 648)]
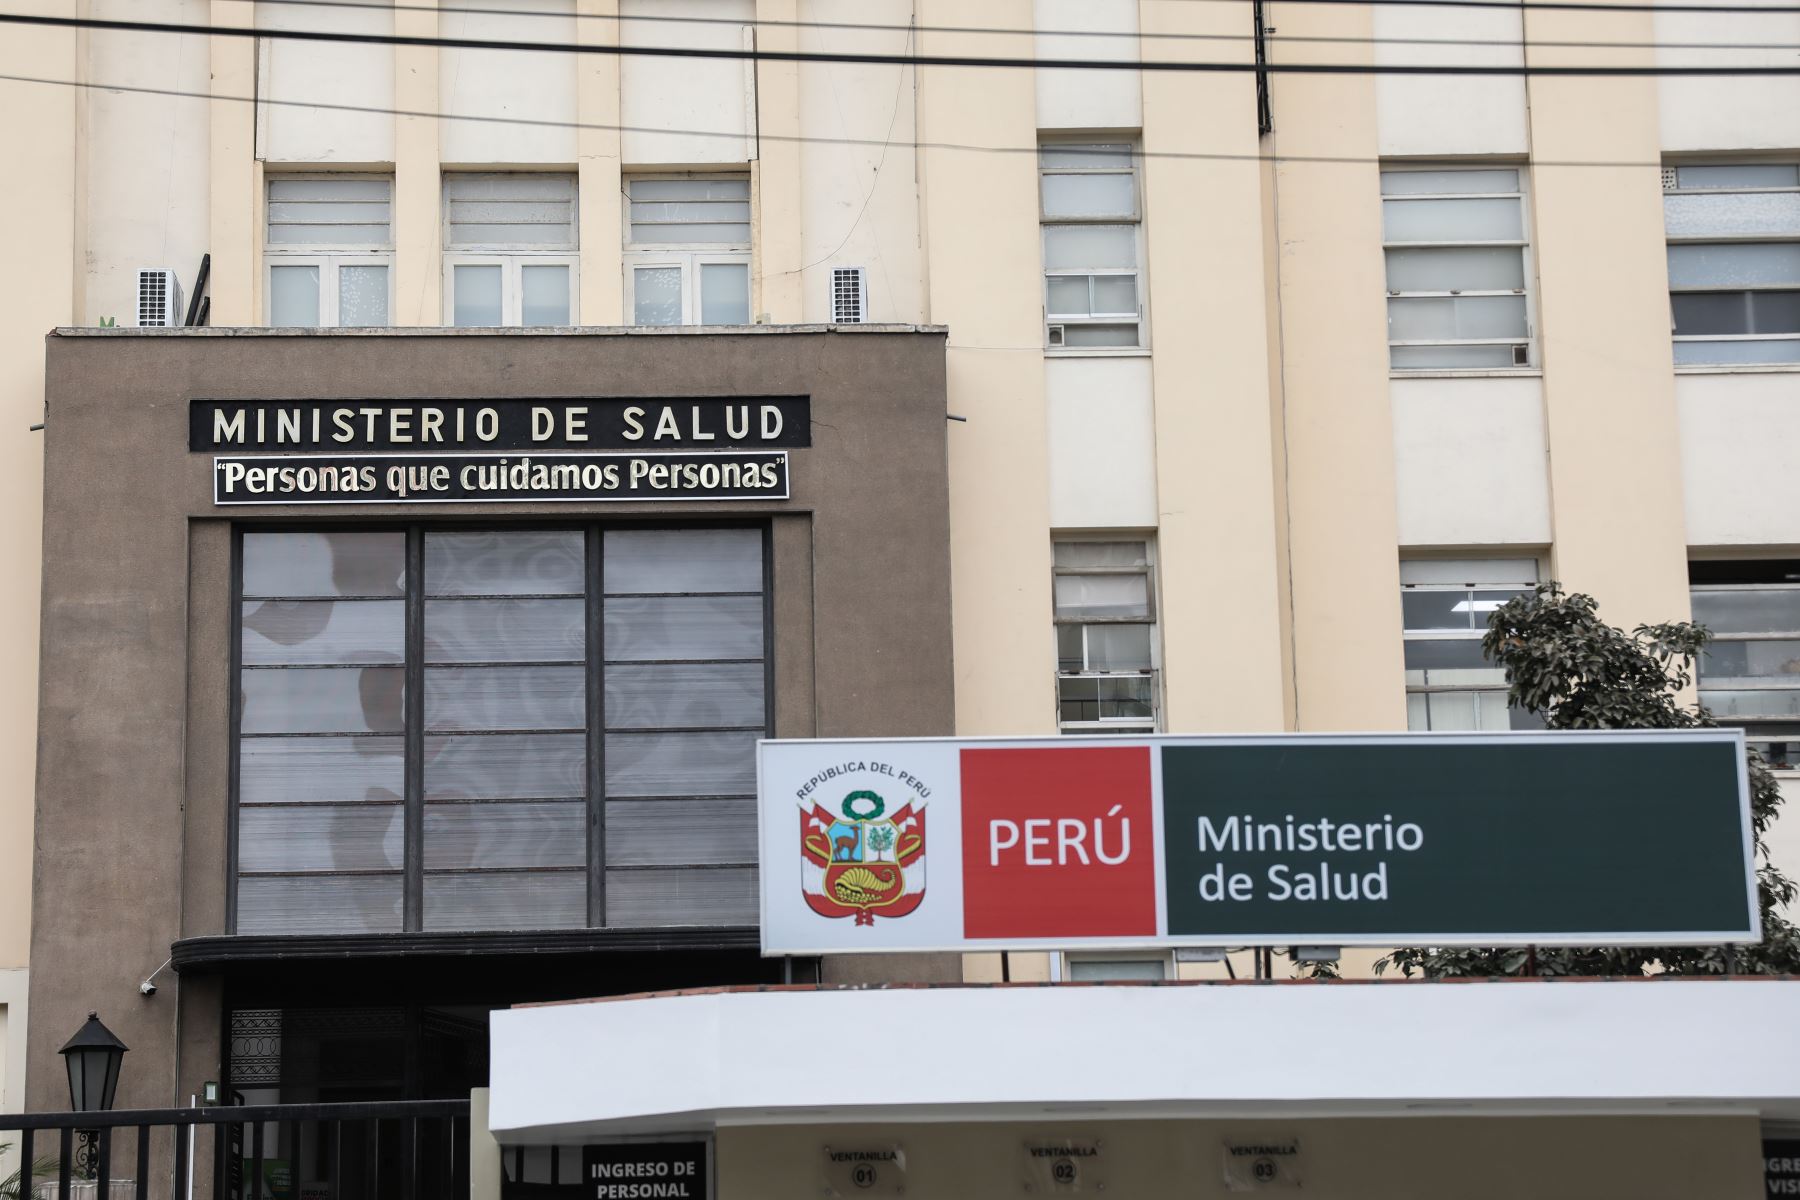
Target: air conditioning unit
[(849, 296), (158, 298)]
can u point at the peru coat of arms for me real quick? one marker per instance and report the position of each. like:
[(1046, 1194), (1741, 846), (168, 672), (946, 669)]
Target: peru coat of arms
[(865, 863)]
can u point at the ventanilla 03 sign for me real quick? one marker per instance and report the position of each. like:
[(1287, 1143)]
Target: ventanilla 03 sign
[(1638, 837)]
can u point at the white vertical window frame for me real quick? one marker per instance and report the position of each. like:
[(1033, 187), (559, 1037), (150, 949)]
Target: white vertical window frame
[(512, 290), (1093, 291), (340, 226), (687, 223), (513, 221), (1455, 301), (1733, 231)]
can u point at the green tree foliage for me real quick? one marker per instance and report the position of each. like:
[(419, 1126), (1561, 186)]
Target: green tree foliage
[(1573, 670)]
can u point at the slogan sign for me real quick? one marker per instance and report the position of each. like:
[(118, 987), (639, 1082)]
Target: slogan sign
[(465, 451), (675, 1170), (1376, 839)]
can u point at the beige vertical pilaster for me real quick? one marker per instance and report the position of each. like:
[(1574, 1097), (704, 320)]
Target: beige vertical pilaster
[(597, 161), (776, 293), (234, 233), (1336, 424), (1215, 464), (1603, 322), (418, 246)]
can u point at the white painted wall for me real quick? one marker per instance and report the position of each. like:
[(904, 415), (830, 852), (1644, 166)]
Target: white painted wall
[(294, 77), (1711, 113), (1740, 441), (680, 111), (1783, 837), (1102, 443), (1437, 114), (1471, 468), (13, 993), (524, 85), (1091, 99)]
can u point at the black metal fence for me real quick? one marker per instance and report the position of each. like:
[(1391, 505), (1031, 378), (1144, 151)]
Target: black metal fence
[(399, 1150)]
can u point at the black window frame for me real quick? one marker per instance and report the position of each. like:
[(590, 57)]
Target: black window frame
[(413, 805)]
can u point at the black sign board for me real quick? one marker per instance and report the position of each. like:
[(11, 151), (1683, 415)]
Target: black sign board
[(496, 478), (1781, 1166), (446, 426), (645, 1171)]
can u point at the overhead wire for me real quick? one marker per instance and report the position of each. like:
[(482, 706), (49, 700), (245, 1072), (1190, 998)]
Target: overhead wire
[(910, 59)]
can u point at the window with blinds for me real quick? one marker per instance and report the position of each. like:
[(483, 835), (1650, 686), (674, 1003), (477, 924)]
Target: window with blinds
[(510, 244), (1106, 645), (498, 729), (1734, 262), (1091, 228), (1445, 605), (687, 250), (328, 244), (509, 212)]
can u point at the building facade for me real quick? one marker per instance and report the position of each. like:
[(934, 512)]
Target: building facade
[(1261, 390)]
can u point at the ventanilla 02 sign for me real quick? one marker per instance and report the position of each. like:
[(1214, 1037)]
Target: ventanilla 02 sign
[(1619, 838)]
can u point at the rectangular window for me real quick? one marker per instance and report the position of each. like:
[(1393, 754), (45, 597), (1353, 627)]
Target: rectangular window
[(1750, 673), (1444, 606), (329, 244), (1734, 262), (1091, 228), (511, 244), (1455, 244), (1137, 968), (1106, 648), (444, 729), (687, 250)]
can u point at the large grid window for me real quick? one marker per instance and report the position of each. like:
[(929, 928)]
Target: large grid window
[(1105, 637), (445, 729), (510, 245), (1734, 262), (1445, 605), (329, 250), (1750, 673), (1456, 268), (1091, 223), (687, 250)]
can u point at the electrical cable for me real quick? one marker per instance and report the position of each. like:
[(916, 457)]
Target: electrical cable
[(913, 60)]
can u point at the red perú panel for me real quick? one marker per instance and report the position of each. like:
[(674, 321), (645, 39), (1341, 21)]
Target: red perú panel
[(1058, 842)]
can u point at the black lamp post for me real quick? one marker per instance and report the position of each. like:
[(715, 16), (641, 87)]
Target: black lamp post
[(93, 1056)]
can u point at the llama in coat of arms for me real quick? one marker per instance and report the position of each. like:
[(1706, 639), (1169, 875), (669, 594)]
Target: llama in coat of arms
[(865, 863)]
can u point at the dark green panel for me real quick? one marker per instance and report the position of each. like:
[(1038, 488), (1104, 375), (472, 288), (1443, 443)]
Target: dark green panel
[(1632, 839)]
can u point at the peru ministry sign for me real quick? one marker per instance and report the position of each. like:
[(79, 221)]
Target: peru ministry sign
[(1631, 837)]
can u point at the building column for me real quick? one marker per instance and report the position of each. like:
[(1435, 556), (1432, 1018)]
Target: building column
[(776, 292), (234, 234), (418, 191), (597, 161)]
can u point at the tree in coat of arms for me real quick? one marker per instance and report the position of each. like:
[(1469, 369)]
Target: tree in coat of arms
[(864, 863)]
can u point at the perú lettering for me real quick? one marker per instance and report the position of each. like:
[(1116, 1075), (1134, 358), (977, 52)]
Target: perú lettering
[(1061, 841)]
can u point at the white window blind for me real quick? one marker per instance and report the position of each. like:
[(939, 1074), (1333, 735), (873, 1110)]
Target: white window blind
[(1734, 262), (509, 212)]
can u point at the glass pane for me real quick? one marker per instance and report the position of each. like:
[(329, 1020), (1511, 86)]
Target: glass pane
[(1070, 654), (1456, 269), (680, 764), (724, 293), (1711, 312), (656, 295), (1760, 610), (1412, 319), (1072, 247), (1102, 554), (320, 769), (475, 630), (1078, 698), (1729, 214), (1116, 969), (1488, 220), (1739, 175), (505, 698), (1491, 711), (322, 700), (1418, 716), (1115, 293), (655, 833), (1435, 610), (1413, 183), (1726, 664), (321, 837), (1068, 295), (1774, 312), (1100, 335), (683, 627), (1733, 353), (313, 234), (698, 211), (647, 561), (294, 296), (475, 296), (696, 233), (505, 835), (505, 564), (328, 189), (1469, 572), (1449, 663), (1126, 698), (1118, 647), (1089, 596), (689, 189), (325, 564), (1116, 155), (320, 904), (323, 631), (544, 294), (1734, 264), (507, 900), (1763, 702), (555, 234), (328, 215), (703, 896), (505, 766), (1451, 710), (684, 696), (1102, 195), (1450, 358), (363, 297)]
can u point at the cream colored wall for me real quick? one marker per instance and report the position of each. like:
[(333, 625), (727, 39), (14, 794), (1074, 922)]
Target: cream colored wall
[(1088, 100), (1445, 114), (1739, 435), (687, 111), (1712, 113), (294, 77), (536, 89), (1470, 463), (1102, 437), (1494, 1158)]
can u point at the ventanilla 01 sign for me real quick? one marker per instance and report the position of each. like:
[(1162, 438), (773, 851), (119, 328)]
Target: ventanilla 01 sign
[(1639, 837)]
